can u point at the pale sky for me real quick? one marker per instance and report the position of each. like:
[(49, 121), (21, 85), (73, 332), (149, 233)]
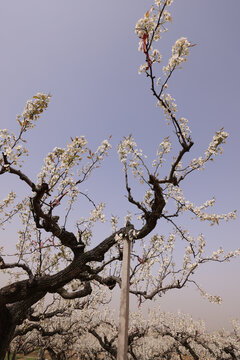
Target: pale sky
[(85, 53)]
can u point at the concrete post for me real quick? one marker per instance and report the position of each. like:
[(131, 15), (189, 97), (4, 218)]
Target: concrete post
[(124, 303)]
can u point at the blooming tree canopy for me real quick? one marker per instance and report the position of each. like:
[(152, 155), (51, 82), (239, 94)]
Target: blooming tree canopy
[(85, 330), (56, 254)]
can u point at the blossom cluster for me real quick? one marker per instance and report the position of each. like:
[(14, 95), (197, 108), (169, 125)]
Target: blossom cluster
[(152, 24), (33, 110), (180, 51), (85, 225), (163, 148), (114, 223), (145, 27), (8, 200), (176, 194), (10, 144), (11, 149), (97, 213), (8, 209), (149, 29), (213, 149), (127, 149), (213, 218), (60, 161)]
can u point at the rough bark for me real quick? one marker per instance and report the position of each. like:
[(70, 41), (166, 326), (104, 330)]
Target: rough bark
[(12, 315), (7, 328)]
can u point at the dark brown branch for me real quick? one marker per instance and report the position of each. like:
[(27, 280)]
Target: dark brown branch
[(87, 290), (109, 281), (131, 199), (97, 253), (20, 174), (42, 219), (185, 142), (38, 327), (105, 344), (156, 27), (176, 285), (100, 268), (48, 223), (181, 232), (49, 315), (23, 289), (157, 208), (4, 265)]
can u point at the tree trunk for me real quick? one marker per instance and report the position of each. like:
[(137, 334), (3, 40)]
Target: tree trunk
[(62, 355), (7, 328), (52, 353), (41, 353), (12, 315), (14, 354), (8, 355)]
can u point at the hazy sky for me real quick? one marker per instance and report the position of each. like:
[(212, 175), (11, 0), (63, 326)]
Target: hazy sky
[(85, 54)]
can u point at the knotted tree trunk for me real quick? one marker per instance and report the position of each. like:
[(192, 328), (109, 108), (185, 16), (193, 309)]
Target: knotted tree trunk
[(7, 328)]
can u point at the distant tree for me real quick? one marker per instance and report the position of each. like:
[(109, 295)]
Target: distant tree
[(58, 328), (166, 336), (52, 253), (89, 332)]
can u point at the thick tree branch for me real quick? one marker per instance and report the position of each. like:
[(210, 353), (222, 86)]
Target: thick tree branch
[(87, 290), (105, 344), (20, 174), (39, 328), (157, 208), (4, 265), (48, 315)]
